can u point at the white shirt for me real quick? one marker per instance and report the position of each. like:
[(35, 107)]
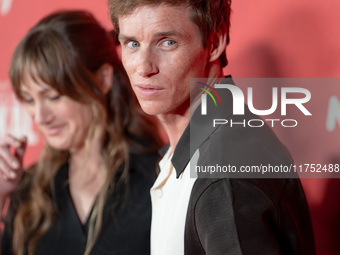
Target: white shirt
[(170, 199)]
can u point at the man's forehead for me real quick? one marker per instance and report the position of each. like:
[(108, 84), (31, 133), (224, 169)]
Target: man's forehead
[(163, 18), (153, 7)]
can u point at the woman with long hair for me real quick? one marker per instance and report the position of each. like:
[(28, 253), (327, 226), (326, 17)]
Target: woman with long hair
[(89, 192)]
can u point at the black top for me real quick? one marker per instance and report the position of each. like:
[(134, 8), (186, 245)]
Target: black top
[(125, 228)]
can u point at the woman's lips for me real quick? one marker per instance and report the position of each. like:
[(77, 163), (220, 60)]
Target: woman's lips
[(54, 130)]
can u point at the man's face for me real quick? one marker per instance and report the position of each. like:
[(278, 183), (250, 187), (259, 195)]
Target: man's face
[(161, 50)]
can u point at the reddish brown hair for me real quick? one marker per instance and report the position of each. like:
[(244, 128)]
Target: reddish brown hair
[(208, 15)]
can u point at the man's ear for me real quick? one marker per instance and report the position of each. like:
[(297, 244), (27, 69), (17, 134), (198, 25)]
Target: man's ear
[(105, 76), (218, 44)]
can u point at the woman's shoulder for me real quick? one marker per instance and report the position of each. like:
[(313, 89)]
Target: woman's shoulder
[(144, 159), (144, 165)]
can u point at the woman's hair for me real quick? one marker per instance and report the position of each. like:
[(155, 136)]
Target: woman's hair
[(64, 50)]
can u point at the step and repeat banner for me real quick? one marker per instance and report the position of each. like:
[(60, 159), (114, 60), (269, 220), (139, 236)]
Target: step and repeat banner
[(269, 39)]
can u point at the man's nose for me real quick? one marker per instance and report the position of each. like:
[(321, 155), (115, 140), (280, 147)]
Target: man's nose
[(147, 63)]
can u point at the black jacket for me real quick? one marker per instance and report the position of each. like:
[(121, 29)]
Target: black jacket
[(235, 214)]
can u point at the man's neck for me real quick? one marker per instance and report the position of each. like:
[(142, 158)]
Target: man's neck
[(174, 125)]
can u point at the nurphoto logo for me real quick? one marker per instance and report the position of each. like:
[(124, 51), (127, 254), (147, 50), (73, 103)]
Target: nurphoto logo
[(294, 96)]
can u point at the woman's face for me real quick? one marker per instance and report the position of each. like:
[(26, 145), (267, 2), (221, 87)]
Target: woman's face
[(63, 121)]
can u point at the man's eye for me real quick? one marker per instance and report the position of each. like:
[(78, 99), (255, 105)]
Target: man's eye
[(133, 44), (170, 43)]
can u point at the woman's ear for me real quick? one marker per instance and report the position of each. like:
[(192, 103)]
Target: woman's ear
[(105, 76), (218, 44)]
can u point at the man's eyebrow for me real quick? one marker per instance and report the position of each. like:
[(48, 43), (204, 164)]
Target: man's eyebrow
[(125, 37), (168, 33), (158, 34)]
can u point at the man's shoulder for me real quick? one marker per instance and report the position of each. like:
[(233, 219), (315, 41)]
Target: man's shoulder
[(235, 187), (244, 146), (272, 213)]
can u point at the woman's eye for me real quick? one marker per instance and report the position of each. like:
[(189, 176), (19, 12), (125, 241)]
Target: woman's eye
[(27, 100), (133, 44), (54, 98)]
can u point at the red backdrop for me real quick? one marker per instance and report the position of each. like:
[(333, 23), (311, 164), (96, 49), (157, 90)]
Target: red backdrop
[(269, 38)]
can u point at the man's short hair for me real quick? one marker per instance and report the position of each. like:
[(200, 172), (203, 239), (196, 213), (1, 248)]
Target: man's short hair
[(208, 15)]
